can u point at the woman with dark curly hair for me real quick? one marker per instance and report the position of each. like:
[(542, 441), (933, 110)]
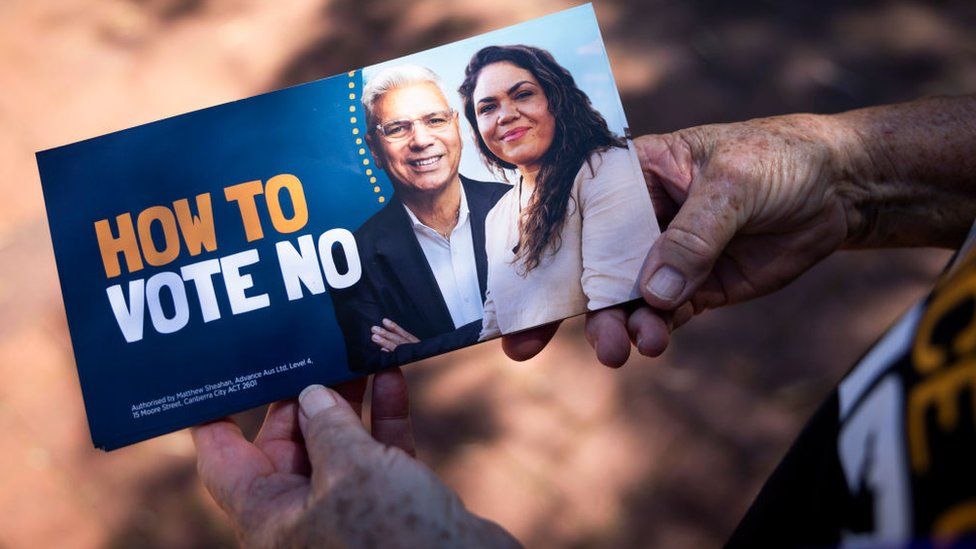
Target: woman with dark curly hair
[(571, 234)]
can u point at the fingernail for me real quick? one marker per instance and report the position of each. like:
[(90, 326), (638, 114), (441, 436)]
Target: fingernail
[(374, 329), (387, 322), (640, 340), (667, 283), (314, 399), (375, 338)]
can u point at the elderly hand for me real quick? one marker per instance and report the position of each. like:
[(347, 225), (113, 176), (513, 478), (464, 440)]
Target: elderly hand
[(315, 477), (748, 206)]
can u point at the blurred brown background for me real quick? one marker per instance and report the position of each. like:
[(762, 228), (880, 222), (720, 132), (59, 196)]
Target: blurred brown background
[(559, 450)]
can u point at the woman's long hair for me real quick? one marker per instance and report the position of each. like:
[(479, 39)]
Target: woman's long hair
[(580, 131)]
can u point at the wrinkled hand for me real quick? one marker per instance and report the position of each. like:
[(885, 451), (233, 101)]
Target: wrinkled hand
[(390, 336), (315, 477), (747, 208)]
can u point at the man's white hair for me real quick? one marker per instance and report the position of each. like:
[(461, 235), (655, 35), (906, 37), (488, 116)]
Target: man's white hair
[(391, 78)]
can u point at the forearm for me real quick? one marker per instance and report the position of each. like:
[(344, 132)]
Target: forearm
[(907, 172)]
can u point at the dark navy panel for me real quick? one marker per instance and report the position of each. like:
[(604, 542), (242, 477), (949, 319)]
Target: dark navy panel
[(307, 131)]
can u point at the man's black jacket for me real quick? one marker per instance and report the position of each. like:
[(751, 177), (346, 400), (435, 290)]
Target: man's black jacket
[(397, 283)]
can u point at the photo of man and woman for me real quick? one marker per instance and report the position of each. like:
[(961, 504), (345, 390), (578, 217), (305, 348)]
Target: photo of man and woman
[(322, 232), (518, 200)]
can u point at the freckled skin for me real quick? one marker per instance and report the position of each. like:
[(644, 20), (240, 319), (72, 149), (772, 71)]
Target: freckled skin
[(777, 195), (752, 178)]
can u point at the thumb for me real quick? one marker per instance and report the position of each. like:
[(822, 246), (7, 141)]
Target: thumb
[(332, 430), (685, 253)]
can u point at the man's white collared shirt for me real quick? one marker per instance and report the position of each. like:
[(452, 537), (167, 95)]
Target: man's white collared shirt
[(453, 264)]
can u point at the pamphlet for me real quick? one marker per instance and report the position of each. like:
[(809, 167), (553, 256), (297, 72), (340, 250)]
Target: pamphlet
[(229, 257)]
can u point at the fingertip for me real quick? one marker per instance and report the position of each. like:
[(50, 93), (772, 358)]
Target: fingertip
[(649, 280), (328, 424), (390, 389), (649, 149), (316, 399), (521, 348), (612, 348), (391, 411), (606, 330), (612, 356), (525, 345), (212, 433), (654, 344), (664, 287), (649, 330)]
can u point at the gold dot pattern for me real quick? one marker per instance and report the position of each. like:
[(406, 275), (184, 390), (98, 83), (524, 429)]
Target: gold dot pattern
[(359, 140)]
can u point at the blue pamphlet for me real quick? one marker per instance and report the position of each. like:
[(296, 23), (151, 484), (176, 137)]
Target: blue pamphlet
[(229, 257)]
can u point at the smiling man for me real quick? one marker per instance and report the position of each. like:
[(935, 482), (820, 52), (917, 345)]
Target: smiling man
[(423, 255)]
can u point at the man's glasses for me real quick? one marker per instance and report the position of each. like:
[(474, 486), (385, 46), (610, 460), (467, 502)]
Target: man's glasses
[(396, 130)]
